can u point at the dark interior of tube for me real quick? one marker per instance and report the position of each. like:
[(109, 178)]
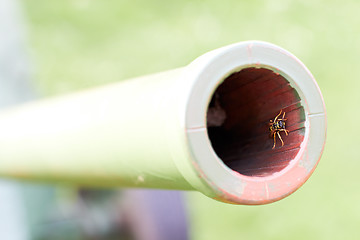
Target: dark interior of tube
[(238, 121)]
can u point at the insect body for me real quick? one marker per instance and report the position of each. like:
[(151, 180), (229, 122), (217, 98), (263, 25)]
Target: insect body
[(276, 126)]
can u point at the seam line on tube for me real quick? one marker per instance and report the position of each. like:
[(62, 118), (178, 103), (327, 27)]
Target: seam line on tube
[(316, 114)]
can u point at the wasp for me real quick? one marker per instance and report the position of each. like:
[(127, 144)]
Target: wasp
[(276, 126)]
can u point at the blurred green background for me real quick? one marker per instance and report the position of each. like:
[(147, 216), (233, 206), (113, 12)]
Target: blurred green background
[(76, 44)]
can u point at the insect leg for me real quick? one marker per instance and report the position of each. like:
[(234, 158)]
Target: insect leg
[(282, 142), (284, 130), (274, 141), (278, 115)]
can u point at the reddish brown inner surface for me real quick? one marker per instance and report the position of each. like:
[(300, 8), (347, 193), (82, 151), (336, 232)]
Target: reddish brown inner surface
[(251, 98)]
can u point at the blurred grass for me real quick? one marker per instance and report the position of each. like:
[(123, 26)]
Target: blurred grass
[(81, 43)]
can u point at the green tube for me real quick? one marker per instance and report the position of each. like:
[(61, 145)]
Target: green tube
[(152, 132), (106, 136)]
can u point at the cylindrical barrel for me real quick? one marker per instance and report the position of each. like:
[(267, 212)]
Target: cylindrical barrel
[(203, 127)]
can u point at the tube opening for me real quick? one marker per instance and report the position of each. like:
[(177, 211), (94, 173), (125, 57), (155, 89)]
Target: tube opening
[(238, 118)]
